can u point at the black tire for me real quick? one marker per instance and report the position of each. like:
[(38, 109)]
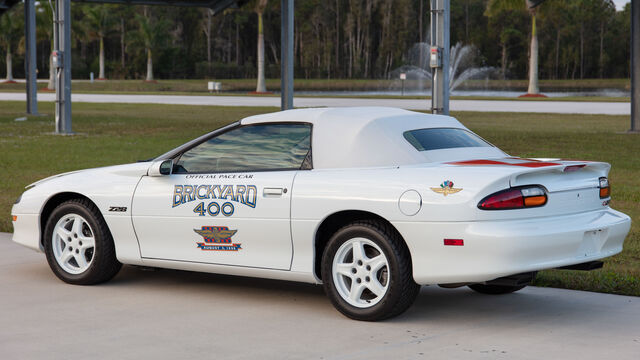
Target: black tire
[(401, 291), (103, 264), (495, 289)]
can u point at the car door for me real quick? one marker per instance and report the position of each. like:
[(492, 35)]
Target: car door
[(227, 200)]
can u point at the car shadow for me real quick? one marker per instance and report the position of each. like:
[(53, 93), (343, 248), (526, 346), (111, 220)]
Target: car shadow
[(540, 305), (157, 276), (433, 304)]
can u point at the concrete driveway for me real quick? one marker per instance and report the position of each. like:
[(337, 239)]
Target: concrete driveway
[(176, 315)]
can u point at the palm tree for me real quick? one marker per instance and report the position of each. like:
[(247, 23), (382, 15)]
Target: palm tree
[(206, 29), (44, 18), (152, 36), (99, 22), (259, 9), (10, 34), (495, 7)]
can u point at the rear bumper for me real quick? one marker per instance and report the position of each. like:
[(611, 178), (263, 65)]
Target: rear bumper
[(494, 249)]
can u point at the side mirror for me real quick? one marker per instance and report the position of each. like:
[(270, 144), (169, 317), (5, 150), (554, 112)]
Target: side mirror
[(160, 168)]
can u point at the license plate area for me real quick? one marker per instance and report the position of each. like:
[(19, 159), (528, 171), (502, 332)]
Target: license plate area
[(592, 242)]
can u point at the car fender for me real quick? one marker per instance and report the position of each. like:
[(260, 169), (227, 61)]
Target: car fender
[(110, 188)]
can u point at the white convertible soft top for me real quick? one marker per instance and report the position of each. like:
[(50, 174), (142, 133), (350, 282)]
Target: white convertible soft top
[(367, 136)]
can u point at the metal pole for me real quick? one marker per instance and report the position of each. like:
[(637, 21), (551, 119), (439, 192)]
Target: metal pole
[(286, 65), (30, 56), (444, 33), (433, 16), (56, 70), (635, 66), (440, 42), (63, 72)]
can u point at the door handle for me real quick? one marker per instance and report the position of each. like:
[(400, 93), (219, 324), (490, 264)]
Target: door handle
[(273, 191)]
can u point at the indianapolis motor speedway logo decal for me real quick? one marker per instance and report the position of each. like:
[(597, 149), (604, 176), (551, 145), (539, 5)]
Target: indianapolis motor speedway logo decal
[(217, 238), (446, 188)]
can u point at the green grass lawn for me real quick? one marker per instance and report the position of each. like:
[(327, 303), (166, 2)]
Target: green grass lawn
[(243, 86), (120, 133)]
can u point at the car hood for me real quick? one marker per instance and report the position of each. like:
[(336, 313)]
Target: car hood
[(133, 169)]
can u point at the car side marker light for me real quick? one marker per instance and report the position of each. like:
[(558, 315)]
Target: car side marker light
[(454, 242)]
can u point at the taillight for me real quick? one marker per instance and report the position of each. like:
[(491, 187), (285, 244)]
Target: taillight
[(515, 198), (605, 189)]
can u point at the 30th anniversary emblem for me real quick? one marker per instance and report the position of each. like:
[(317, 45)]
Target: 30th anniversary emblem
[(217, 238)]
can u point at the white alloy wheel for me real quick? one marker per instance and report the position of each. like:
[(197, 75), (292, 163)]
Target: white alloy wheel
[(73, 243), (361, 272)]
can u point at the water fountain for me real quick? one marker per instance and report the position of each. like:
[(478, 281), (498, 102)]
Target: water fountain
[(461, 67)]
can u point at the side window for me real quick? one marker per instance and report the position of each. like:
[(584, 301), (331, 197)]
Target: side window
[(250, 148)]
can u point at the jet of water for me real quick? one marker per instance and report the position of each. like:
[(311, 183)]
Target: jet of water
[(461, 66)]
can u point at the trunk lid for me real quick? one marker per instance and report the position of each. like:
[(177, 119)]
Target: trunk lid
[(572, 186)]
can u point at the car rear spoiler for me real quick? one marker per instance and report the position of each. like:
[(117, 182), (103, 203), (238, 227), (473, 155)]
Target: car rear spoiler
[(566, 174)]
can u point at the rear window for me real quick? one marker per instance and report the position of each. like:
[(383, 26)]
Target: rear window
[(443, 138)]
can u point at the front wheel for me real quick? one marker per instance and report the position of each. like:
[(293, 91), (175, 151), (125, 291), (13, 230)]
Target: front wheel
[(78, 244), (366, 270)]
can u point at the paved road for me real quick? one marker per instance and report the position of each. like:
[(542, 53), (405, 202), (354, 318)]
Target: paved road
[(22, 81), (563, 107), (172, 314)]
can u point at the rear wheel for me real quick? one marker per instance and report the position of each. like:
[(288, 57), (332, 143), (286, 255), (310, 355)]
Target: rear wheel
[(495, 289), (366, 270), (78, 244)]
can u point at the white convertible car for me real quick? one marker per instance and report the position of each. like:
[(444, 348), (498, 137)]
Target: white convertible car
[(370, 202)]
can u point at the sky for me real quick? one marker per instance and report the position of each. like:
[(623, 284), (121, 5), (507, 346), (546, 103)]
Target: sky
[(620, 4)]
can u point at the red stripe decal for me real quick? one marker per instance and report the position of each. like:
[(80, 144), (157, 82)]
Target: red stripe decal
[(530, 164), (478, 162)]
